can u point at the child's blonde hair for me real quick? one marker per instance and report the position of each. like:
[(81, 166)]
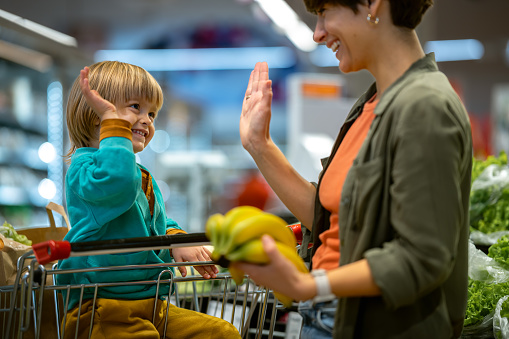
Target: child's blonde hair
[(116, 82)]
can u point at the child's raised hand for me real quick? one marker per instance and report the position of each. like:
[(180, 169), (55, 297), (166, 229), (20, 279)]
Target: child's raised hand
[(103, 108), (193, 254)]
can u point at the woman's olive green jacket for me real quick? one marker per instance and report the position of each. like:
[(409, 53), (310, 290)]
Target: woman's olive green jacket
[(404, 207)]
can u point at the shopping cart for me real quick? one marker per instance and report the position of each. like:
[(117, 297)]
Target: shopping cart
[(34, 306)]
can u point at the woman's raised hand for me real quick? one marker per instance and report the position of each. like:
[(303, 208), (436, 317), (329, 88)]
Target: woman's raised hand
[(256, 109)]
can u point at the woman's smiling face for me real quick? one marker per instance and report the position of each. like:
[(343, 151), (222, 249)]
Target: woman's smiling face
[(344, 32)]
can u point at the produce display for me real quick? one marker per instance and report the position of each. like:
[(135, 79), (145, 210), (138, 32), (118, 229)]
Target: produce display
[(488, 284), (489, 196), (500, 251), (482, 299), (478, 166), (236, 236)]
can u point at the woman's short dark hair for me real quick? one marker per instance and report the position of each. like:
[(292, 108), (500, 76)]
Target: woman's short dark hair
[(405, 13)]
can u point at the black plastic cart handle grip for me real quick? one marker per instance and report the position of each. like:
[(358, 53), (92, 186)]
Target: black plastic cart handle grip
[(55, 250)]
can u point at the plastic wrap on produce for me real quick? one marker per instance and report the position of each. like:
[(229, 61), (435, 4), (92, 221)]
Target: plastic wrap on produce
[(489, 281), (500, 321), (486, 239), (483, 268)]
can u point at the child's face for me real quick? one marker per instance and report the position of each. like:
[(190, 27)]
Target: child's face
[(142, 115)]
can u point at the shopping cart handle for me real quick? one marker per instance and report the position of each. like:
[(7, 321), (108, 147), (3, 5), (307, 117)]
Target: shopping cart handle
[(297, 231), (50, 250)]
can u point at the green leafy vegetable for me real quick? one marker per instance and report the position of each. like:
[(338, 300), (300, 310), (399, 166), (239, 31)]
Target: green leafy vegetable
[(482, 299), (500, 251), (478, 166), (482, 296), (489, 197), (9, 232)]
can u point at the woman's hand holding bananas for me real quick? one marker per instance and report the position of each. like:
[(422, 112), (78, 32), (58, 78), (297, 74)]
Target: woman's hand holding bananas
[(237, 237), (281, 275)]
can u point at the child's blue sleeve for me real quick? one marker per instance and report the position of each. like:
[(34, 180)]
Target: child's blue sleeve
[(172, 227), (103, 183), (108, 175)]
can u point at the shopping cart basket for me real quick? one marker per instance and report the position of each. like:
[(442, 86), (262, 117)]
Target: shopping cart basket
[(34, 304)]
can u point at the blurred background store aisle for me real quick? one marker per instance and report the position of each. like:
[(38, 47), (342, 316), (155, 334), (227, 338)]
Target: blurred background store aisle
[(202, 51)]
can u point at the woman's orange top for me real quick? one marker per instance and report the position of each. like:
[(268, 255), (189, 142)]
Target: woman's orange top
[(327, 254)]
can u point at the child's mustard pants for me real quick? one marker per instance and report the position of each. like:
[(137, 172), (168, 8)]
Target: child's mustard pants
[(132, 319)]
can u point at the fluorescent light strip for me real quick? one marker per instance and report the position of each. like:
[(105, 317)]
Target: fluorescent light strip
[(455, 50), (323, 57), (39, 29), (445, 50), (27, 57), (285, 18), (201, 59)]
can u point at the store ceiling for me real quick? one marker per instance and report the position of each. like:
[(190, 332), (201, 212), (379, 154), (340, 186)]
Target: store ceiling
[(118, 24), (99, 24), (134, 23)]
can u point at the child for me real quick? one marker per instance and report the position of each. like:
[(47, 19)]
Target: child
[(110, 117)]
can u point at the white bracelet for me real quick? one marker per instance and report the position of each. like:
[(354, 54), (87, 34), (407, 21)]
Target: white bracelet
[(323, 289)]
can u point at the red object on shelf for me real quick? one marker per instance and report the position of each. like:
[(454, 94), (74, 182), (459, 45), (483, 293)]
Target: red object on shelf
[(50, 250)]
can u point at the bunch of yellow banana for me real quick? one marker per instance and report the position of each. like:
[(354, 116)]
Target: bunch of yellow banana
[(236, 236)]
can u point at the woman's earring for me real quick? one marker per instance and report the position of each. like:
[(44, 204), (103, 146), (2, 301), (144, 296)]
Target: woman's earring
[(371, 21)]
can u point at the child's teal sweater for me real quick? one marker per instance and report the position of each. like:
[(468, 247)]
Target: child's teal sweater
[(105, 201)]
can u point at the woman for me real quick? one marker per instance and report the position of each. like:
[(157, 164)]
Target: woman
[(389, 215)]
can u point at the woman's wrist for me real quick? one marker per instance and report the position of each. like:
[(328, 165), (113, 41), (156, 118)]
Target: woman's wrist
[(323, 290), (258, 148), (303, 287)]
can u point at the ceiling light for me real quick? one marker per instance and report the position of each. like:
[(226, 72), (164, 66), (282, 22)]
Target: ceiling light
[(47, 189), (455, 50), (39, 29), (285, 18), (26, 57), (201, 58), (47, 152)]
